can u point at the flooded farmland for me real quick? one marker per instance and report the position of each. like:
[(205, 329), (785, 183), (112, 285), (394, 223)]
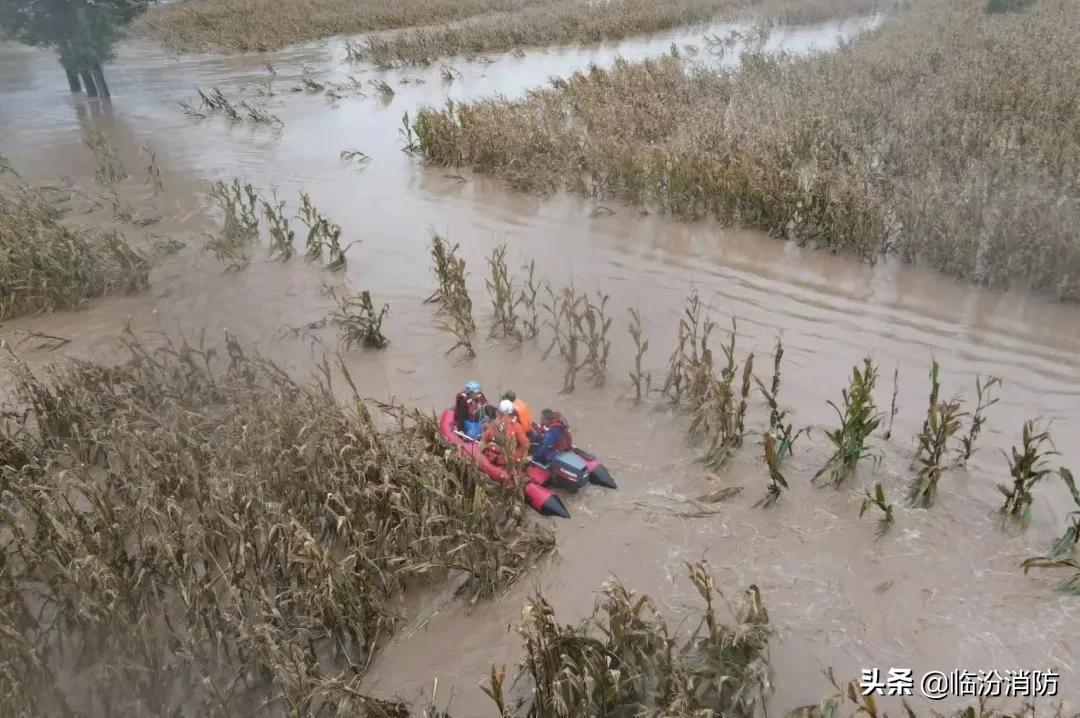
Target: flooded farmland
[(942, 590)]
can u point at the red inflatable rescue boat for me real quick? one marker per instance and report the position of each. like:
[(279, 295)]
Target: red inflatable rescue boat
[(569, 470)]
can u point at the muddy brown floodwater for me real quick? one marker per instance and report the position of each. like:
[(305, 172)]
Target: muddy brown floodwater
[(943, 590)]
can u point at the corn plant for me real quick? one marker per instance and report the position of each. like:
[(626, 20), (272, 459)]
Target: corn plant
[(240, 225), (527, 299), (777, 481), (555, 317), (935, 391), (853, 693), (109, 169), (1063, 553), (626, 660), (699, 362), (893, 408), (784, 432), (452, 294), (457, 323), (266, 87), (567, 323), (858, 420), (1068, 542), (259, 116), (744, 394), (984, 400), (504, 298), (385, 91), (595, 324), (281, 236), (1027, 467), (238, 204), (714, 397), (354, 51), (720, 415), (690, 364), (311, 218), (675, 379), (507, 447), (357, 155), (409, 140), (943, 421), (323, 236), (153, 171), (215, 103), (639, 376), (1069, 585), (234, 257), (497, 692), (308, 84), (120, 210), (359, 324), (877, 499), (335, 253)]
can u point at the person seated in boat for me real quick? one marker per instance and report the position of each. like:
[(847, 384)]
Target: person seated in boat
[(505, 432), (551, 437), (521, 410), (469, 406)]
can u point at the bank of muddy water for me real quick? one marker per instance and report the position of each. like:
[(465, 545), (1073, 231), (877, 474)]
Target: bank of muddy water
[(942, 590)]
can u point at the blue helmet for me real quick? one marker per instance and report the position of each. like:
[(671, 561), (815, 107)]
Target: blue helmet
[(472, 387)]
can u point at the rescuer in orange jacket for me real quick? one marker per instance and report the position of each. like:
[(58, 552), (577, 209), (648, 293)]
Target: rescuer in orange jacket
[(505, 430), (521, 409)]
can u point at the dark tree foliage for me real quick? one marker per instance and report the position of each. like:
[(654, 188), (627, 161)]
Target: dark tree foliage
[(83, 32), (999, 6)]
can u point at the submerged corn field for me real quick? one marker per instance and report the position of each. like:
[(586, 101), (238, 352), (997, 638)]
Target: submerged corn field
[(931, 139), (430, 29), (825, 467), (46, 265), (194, 530)]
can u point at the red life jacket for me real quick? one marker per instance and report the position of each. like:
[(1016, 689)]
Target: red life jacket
[(470, 404), (565, 441)]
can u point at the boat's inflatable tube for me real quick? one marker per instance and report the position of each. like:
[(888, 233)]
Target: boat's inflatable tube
[(600, 476), (539, 497)]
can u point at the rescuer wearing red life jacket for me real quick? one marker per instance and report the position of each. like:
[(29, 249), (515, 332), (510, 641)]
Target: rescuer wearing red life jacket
[(551, 437), (469, 408)]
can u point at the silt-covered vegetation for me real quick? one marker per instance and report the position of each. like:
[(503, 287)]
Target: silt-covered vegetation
[(947, 137), (192, 529)]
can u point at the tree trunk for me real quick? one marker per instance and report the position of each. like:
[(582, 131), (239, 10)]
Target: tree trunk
[(73, 80), (99, 80), (88, 83)]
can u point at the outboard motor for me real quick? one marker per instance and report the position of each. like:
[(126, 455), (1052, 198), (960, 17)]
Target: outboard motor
[(569, 471)]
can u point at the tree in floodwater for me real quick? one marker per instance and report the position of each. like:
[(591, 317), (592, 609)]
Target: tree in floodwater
[(83, 32)]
